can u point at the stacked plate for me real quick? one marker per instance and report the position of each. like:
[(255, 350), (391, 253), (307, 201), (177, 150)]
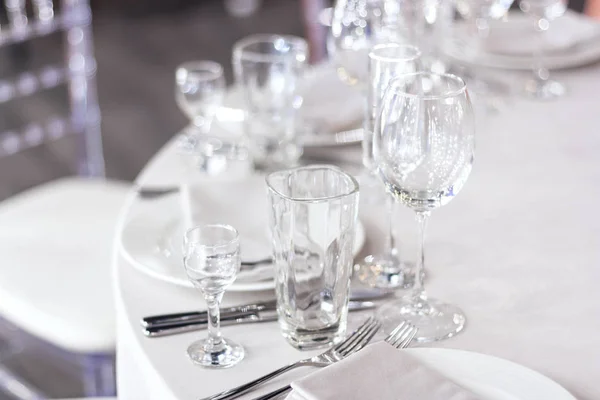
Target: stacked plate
[(572, 40)]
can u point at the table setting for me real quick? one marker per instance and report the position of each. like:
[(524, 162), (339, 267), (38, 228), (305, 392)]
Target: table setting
[(280, 245)]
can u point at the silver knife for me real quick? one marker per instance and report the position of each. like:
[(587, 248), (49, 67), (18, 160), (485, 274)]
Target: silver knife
[(201, 316), (266, 315)]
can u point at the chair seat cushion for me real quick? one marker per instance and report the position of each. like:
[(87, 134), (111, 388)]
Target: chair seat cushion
[(56, 245)]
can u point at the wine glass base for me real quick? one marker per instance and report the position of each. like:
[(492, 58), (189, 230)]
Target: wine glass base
[(436, 320), (384, 272), (544, 89), (226, 355)]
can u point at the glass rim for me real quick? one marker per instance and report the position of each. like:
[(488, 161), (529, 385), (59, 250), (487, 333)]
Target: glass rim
[(374, 56), (199, 228), (450, 93), (240, 51), (195, 66), (272, 175)]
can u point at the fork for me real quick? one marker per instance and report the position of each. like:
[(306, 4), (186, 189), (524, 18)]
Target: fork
[(356, 341), (400, 338)]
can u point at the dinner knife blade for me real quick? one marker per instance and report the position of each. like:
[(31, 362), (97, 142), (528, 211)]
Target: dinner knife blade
[(234, 319), (199, 316)]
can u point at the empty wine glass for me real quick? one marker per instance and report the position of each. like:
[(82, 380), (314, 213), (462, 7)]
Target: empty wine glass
[(211, 258), (199, 91), (386, 62), (424, 147), (543, 11)]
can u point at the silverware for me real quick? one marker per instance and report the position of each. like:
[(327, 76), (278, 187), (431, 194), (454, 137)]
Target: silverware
[(400, 338), (168, 319), (356, 341), (149, 193), (231, 318)]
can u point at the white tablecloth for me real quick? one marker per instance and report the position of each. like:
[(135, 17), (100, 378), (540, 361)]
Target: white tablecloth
[(518, 250)]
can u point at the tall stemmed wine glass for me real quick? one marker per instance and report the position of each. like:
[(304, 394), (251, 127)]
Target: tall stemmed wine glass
[(543, 11), (424, 147), (386, 61)]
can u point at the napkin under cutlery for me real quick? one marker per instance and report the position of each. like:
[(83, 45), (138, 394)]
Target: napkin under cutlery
[(378, 372)]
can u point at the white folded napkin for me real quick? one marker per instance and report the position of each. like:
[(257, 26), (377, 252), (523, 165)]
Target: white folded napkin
[(378, 372), (516, 36)]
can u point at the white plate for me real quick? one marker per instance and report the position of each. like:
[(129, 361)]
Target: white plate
[(510, 44), (151, 230), (490, 377), (332, 113)]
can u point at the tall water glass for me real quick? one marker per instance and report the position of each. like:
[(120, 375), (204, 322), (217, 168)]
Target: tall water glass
[(543, 12), (386, 61), (211, 256), (269, 70), (312, 216), (424, 148)]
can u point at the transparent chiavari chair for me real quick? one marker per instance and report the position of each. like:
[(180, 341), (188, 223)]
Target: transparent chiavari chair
[(56, 239)]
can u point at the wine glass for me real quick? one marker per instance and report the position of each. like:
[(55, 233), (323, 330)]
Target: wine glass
[(424, 147), (211, 258), (543, 11), (199, 92), (386, 61)]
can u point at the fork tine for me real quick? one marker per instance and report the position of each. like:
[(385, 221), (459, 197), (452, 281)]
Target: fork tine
[(409, 338), (393, 334), (354, 336), (364, 340), (401, 335)]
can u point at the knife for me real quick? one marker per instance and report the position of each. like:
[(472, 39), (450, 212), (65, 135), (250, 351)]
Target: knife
[(265, 315), (199, 316)]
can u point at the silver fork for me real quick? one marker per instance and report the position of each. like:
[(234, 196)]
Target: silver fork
[(400, 338), (356, 341)]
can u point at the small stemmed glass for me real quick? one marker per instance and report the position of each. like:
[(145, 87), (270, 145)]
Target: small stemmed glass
[(543, 11), (424, 145), (199, 92), (211, 256)]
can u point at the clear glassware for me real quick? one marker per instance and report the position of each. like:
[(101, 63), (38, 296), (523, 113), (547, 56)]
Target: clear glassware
[(477, 15), (211, 256), (424, 148), (312, 217), (356, 26), (199, 92), (269, 71), (543, 11), (386, 62)]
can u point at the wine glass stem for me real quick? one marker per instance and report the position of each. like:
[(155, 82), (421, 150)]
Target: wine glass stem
[(418, 288), (540, 73), (214, 332), (391, 242), (203, 123)]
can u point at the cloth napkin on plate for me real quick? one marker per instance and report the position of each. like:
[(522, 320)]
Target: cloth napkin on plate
[(516, 36), (378, 372)]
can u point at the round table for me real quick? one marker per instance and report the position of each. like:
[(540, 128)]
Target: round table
[(518, 250)]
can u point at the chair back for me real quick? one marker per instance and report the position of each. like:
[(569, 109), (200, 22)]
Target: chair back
[(26, 20)]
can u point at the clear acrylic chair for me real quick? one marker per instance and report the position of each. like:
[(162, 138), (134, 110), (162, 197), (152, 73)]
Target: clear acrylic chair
[(56, 239)]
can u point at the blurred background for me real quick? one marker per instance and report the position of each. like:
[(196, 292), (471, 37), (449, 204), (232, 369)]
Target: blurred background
[(138, 44)]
